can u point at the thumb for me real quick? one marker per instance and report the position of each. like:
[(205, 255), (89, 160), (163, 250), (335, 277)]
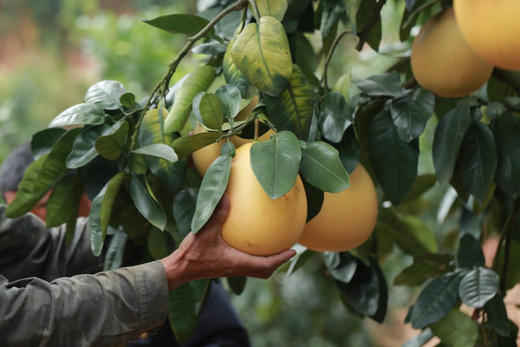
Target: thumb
[(221, 212)]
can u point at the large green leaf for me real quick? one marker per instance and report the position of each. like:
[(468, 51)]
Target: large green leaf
[(184, 305), (332, 11), (43, 141), (275, 163), (115, 251), (292, 109), (321, 167), (478, 286), (273, 8), (436, 300), (211, 190), (394, 161), (186, 145), (448, 139), (110, 144), (470, 252), (146, 204), (230, 97), (478, 160), (262, 54), (304, 56), (336, 116), (188, 24), (101, 212), (456, 329), (237, 284), (506, 130), (183, 209), (63, 204), (424, 267), (231, 72), (84, 150), (209, 110), (497, 315), (349, 150), (421, 339), (388, 84), (79, 114), (368, 22), (106, 94), (197, 81), (158, 150), (411, 112)]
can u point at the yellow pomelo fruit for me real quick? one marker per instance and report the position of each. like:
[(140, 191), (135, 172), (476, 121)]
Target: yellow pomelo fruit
[(443, 62), (492, 29), (257, 224), (203, 157), (346, 219)]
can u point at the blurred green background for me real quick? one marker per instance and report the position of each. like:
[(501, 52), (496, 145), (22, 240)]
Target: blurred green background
[(52, 50)]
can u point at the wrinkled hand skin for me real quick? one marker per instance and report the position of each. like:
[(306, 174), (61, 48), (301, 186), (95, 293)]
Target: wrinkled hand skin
[(207, 255)]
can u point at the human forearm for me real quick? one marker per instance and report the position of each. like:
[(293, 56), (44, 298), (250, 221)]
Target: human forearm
[(109, 308)]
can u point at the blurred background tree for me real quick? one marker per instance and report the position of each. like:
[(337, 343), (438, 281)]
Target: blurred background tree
[(54, 49)]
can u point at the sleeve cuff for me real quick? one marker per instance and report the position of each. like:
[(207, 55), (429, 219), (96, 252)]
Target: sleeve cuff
[(152, 288)]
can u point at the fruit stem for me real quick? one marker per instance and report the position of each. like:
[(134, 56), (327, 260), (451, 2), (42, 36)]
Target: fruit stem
[(329, 56), (256, 129)]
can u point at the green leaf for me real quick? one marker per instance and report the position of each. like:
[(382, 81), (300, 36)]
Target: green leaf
[(336, 116), (261, 52), (332, 12), (115, 251), (497, 315), (424, 267), (146, 204), (448, 139), (342, 266), (394, 161), (273, 8), (314, 200), (232, 74), (128, 100), (188, 24), (478, 160), (456, 330), (231, 99), (159, 150), (478, 286), (63, 204), (43, 141), (83, 149), (506, 130), (209, 110), (106, 94), (184, 304), (197, 81), (101, 212), (470, 252), (388, 84), (422, 184), (321, 167), (183, 209), (212, 188), (186, 145), (111, 144), (436, 300), (275, 163), (213, 48), (304, 56), (349, 150), (421, 339), (79, 114), (292, 110), (158, 244), (365, 26), (411, 112), (237, 284)]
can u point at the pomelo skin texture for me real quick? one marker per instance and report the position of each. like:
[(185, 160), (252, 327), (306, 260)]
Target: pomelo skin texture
[(443, 62), (492, 29), (256, 224), (346, 219)]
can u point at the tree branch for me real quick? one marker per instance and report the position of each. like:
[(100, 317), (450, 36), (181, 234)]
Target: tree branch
[(329, 56)]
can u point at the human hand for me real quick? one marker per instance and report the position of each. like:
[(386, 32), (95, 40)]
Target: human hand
[(207, 255)]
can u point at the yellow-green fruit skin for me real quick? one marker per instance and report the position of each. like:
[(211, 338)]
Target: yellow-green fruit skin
[(492, 29), (443, 62), (257, 224), (346, 219)]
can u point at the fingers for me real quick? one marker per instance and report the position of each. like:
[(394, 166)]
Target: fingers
[(263, 267)]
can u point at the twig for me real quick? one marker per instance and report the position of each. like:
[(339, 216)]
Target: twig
[(363, 36), (329, 56)]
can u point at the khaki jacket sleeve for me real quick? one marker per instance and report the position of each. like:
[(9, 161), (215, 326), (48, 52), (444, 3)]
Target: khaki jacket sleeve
[(106, 309)]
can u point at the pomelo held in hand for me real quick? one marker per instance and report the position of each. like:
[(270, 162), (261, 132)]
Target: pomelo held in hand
[(443, 62), (492, 29), (346, 219), (256, 224)]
